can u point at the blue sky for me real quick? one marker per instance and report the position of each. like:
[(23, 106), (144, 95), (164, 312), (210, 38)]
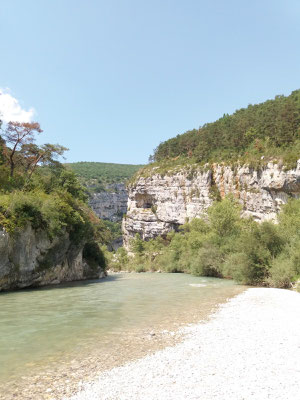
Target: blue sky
[(112, 79)]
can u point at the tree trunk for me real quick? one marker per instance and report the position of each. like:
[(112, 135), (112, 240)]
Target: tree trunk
[(12, 168)]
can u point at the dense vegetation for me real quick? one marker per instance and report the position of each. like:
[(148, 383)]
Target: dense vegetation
[(224, 245), (36, 189), (97, 177), (98, 174), (270, 129)]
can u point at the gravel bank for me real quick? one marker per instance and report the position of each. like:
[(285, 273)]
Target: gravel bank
[(249, 349)]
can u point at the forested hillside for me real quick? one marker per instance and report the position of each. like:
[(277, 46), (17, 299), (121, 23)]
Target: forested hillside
[(91, 173), (271, 129)]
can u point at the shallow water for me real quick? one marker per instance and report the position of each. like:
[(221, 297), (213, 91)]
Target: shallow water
[(53, 325)]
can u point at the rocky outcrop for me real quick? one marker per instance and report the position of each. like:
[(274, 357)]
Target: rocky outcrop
[(110, 204), (30, 258), (159, 203)]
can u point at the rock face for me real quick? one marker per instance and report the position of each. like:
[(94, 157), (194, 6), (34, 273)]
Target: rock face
[(30, 258), (110, 204), (158, 204)]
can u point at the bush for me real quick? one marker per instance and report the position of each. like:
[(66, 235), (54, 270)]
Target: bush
[(281, 273), (137, 244), (19, 209), (224, 217), (55, 213), (93, 254), (238, 267), (121, 260), (207, 262), (225, 245), (140, 268)]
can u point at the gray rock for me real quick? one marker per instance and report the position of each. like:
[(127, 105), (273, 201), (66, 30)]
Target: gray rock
[(158, 204), (110, 204), (30, 258)]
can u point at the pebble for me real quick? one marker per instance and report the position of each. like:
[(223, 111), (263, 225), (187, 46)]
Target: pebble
[(249, 349)]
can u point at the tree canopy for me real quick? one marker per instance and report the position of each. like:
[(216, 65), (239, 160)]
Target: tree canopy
[(266, 128), (98, 173), (19, 150)]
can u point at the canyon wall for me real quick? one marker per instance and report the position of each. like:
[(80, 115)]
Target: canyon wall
[(160, 203), (110, 204), (30, 258)]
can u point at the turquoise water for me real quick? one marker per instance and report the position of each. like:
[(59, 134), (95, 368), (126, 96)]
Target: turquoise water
[(41, 325)]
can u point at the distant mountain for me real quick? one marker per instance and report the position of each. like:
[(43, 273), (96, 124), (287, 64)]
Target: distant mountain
[(106, 186), (98, 174)]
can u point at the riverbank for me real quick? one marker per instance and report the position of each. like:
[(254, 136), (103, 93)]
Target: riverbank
[(249, 349), (55, 339)]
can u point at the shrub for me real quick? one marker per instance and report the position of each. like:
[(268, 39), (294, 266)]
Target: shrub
[(238, 267), (140, 268), (281, 273), (207, 262), (224, 217), (258, 257), (225, 245), (121, 259), (137, 244), (168, 262), (93, 254)]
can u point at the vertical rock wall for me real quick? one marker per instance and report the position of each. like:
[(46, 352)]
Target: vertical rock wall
[(158, 204), (110, 204), (30, 258)]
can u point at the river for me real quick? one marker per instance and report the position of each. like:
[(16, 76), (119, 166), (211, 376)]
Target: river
[(54, 337)]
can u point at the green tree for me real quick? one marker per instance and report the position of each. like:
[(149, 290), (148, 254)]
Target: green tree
[(225, 217), (18, 134)]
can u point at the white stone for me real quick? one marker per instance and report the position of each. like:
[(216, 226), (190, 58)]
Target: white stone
[(249, 349), (158, 204), (110, 204)]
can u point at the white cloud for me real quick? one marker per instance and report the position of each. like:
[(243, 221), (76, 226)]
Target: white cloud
[(11, 110)]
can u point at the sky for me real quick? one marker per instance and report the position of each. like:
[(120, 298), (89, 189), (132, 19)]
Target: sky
[(112, 79)]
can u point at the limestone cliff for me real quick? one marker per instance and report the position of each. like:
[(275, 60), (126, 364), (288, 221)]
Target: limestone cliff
[(30, 258), (110, 204), (160, 203)]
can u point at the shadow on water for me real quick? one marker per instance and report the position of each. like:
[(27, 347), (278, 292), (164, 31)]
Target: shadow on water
[(64, 285)]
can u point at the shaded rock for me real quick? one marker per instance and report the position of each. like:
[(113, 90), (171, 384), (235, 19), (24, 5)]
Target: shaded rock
[(30, 258)]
